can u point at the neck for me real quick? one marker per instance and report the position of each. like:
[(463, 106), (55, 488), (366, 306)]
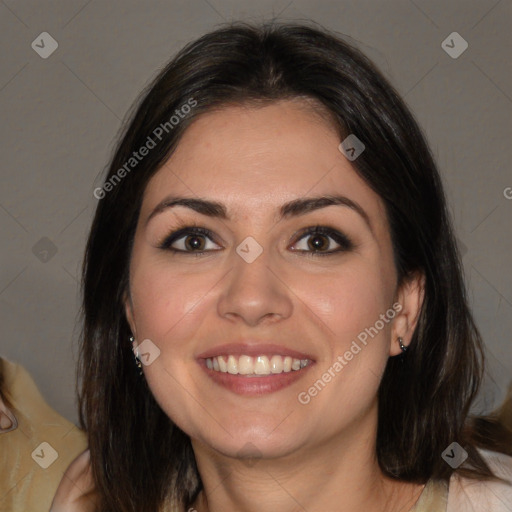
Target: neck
[(341, 473)]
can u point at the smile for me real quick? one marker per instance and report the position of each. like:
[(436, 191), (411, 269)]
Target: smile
[(257, 366), (253, 367)]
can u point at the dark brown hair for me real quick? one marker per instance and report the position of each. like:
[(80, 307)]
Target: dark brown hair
[(424, 399)]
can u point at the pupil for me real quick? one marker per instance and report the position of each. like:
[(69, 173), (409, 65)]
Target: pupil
[(316, 242), (194, 242)]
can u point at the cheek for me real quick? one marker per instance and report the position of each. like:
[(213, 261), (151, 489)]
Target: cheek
[(347, 302), (349, 305), (345, 382), (163, 299), (169, 309)]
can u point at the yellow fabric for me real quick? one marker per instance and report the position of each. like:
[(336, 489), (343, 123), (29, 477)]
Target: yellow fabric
[(25, 485)]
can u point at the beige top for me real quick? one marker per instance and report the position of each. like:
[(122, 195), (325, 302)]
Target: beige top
[(35, 454), (433, 498), (469, 495)]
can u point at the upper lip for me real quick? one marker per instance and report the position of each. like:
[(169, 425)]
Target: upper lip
[(253, 349)]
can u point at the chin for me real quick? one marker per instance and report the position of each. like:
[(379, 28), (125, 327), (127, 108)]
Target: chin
[(255, 441)]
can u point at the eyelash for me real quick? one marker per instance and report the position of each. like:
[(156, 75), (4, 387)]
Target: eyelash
[(341, 239)]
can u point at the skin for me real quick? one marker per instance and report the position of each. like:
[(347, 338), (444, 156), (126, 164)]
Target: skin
[(315, 457)]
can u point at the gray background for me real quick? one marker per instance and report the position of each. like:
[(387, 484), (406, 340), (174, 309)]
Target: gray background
[(60, 117)]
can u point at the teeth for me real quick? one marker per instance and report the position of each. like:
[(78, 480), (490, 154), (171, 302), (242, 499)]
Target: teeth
[(222, 365), (262, 366), (245, 365), (252, 366), (232, 365), (276, 364)]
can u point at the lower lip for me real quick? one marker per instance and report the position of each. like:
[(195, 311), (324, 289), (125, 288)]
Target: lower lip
[(255, 386)]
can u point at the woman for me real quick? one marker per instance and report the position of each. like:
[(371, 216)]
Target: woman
[(273, 242)]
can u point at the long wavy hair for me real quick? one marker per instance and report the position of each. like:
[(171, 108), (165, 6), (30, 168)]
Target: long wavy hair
[(138, 456)]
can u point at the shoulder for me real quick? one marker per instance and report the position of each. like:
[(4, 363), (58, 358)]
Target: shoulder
[(76, 489), (467, 494)]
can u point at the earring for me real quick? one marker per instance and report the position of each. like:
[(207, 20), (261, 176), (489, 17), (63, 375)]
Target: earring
[(136, 355), (401, 343)]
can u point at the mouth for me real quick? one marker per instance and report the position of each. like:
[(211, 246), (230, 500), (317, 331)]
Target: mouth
[(256, 366), (255, 370)]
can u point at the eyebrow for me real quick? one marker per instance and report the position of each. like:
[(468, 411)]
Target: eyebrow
[(294, 208)]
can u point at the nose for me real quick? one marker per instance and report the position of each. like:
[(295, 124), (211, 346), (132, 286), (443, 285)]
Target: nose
[(254, 292)]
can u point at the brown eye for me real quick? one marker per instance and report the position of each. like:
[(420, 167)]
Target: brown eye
[(318, 242), (189, 240), (194, 242), (322, 241)]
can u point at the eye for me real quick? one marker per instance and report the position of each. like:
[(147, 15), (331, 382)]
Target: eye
[(319, 241), (190, 239)]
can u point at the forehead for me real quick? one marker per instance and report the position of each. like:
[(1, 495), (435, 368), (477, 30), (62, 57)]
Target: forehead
[(254, 159)]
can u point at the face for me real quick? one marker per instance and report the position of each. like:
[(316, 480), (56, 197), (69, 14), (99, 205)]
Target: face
[(269, 326)]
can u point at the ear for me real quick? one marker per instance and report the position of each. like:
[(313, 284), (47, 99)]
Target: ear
[(128, 310), (410, 297)]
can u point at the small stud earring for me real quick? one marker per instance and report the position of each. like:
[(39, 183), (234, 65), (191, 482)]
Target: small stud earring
[(135, 351), (401, 343)]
